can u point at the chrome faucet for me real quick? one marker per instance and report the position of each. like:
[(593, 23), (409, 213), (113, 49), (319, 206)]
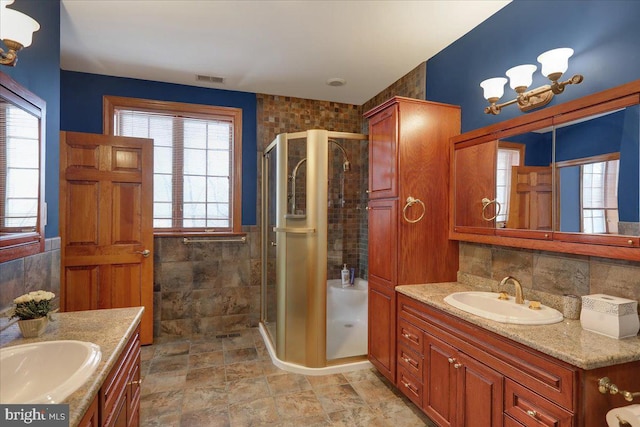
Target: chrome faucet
[(519, 296)]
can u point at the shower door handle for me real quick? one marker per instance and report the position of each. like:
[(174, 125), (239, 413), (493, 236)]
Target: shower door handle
[(274, 244), (294, 230)]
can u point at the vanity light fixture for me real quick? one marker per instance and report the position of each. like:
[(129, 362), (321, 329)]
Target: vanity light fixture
[(16, 32), (554, 63)]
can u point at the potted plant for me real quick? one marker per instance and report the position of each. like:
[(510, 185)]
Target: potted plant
[(33, 310)]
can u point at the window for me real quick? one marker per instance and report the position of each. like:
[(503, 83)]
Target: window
[(600, 197), (19, 166), (197, 161)]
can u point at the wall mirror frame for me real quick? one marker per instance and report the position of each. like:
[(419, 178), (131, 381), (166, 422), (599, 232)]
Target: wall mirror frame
[(476, 192), (22, 151)]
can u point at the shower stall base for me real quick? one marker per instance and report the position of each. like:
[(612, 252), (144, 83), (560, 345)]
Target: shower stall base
[(299, 369), (346, 319)]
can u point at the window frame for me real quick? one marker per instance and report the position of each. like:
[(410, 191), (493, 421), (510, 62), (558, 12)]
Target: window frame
[(196, 111)]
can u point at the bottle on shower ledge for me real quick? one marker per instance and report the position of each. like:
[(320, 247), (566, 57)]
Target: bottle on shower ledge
[(345, 276)]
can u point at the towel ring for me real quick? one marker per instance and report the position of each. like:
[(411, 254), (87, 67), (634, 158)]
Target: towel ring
[(410, 202), (486, 202)]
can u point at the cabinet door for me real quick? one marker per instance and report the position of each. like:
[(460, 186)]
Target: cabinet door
[(382, 326), (473, 180), (479, 392), (383, 153), (90, 418), (383, 241), (439, 401)]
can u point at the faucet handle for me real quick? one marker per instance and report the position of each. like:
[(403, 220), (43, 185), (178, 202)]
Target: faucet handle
[(503, 295)]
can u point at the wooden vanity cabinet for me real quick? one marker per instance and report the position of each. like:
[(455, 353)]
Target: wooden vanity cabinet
[(474, 377), (408, 157), (119, 398)]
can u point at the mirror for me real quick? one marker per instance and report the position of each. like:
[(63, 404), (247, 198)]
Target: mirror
[(21, 175), (597, 176), (524, 181)]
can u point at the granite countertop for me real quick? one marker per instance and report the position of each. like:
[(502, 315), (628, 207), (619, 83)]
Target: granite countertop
[(565, 340), (110, 329)]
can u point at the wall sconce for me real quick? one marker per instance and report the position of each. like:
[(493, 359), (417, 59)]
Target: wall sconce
[(16, 31), (554, 63)]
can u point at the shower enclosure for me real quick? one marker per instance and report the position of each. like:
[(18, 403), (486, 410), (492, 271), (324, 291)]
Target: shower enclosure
[(313, 222)]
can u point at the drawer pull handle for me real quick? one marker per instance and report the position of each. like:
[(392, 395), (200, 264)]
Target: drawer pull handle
[(136, 382), (414, 390), (457, 365), (451, 360), (410, 337), (410, 361), (532, 413)]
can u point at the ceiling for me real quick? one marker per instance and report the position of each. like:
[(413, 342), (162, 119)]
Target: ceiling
[(288, 48)]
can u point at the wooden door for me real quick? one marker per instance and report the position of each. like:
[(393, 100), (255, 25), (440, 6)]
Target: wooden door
[(383, 153), (106, 224), (531, 196), (439, 400), (383, 241), (382, 327), (479, 392)]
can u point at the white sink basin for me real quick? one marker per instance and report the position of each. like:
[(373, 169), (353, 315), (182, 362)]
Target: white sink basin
[(487, 305), (46, 372)]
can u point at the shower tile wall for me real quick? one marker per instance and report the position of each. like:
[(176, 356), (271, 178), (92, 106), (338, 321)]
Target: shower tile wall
[(280, 114)]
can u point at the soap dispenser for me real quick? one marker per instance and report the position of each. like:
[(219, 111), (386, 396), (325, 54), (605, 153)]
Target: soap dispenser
[(345, 276)]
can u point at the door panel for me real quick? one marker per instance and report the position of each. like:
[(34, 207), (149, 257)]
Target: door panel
[(383, 129), (126, 219), (81, 288), (382, 315), (106, 223), (383, 232), (480, 390), (439, 391)]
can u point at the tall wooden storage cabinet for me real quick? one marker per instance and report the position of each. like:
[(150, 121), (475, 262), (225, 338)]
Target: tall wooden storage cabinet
[(408, 211)]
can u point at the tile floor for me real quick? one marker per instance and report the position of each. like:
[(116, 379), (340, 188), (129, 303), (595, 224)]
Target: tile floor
[(232, 382)]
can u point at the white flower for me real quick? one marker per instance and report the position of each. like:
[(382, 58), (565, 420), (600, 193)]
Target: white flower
[(36, 296)]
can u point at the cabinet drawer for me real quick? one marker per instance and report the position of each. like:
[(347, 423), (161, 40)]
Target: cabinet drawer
[(410, 336), (411, 361), (410, 386), (530, 409)]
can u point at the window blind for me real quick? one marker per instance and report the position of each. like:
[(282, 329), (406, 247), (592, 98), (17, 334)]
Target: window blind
[(19, 169), (193, 167)]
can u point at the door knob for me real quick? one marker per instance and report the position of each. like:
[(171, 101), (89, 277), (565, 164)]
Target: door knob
[(144, 253)]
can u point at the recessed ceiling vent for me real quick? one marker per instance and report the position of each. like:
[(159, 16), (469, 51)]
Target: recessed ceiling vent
[(209, 79)]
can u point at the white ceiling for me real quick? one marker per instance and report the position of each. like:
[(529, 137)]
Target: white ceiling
[(288, 48)]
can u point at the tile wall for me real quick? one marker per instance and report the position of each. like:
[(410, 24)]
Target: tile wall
[(550, 272), (32, 273)]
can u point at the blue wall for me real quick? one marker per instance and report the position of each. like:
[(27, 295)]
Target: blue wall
[(605, 36), (82, 93), (38, 69)]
